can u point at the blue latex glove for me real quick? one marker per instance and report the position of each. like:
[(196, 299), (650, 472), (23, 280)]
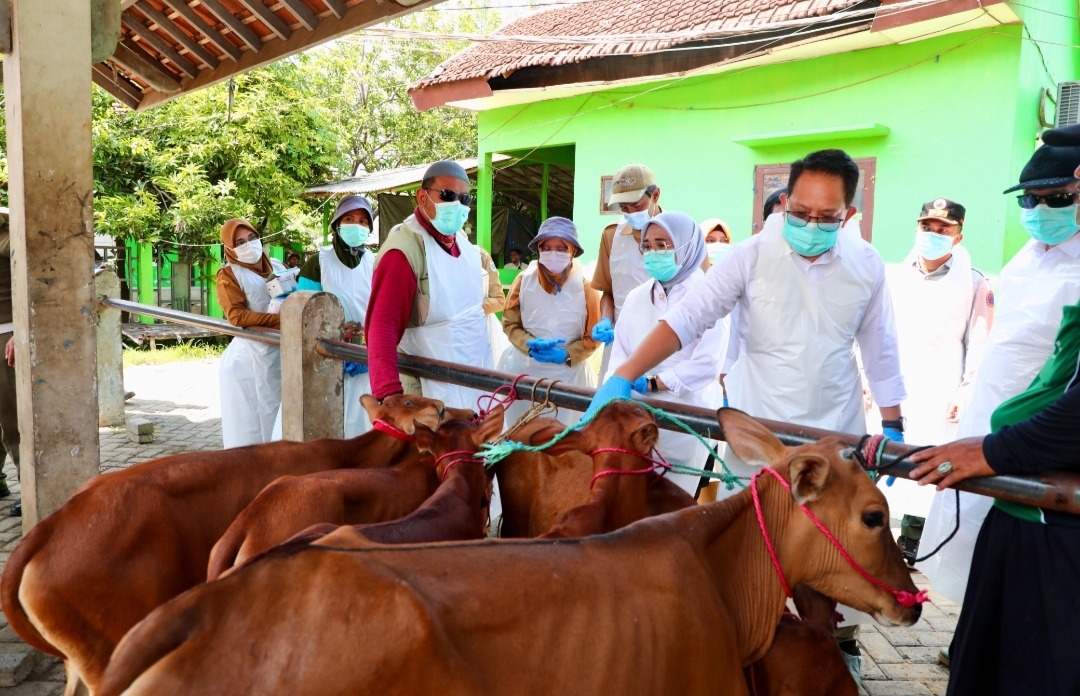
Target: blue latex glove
[(893, 434), (614, 387), (556, 354), (604, 331), (543, 343), (641, 385), (353, 369)]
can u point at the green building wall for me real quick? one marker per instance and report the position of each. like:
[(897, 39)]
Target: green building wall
[(960, 118)]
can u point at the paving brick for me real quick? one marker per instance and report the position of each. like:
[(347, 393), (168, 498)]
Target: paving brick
[(915, 671), (36, 688), (869, 668), (16, 661), (937, 688), (920, 653), (878, 646), (937, 638), (896, 688), (901, 636), (942, 624)]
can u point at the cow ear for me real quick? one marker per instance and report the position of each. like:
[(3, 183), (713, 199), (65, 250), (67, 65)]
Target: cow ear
[(644, 438), (575, 441), (808, 474), (424, 437), (749, 440), (372, 406), (490, 427)]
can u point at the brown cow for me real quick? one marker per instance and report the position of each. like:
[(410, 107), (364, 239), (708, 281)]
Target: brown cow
[(128, 541), (538, 488), (678, 603)]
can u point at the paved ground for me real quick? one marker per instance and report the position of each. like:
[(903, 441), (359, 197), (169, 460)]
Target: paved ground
[(181, 399)]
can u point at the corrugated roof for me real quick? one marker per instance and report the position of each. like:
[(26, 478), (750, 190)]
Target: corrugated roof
[(386, 180), (598, 18)]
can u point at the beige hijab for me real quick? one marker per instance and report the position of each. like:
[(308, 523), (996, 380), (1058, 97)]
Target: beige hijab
[(228, 233)]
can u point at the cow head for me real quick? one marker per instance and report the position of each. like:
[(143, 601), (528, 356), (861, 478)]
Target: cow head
[(619, 424), (459, 434), (826, 477), (405, 411)]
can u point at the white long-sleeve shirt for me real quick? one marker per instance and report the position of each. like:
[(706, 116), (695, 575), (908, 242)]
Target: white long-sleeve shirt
[(728, 285)]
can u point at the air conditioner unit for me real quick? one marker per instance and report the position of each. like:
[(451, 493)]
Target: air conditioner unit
[(1068, 104)]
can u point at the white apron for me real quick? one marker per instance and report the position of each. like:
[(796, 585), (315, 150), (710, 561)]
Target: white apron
[(549, 316), (352, 287), (931, 320), (456, 328), (496, 337), (645, 305), (1026, 320), (250, 374), (626, 265)]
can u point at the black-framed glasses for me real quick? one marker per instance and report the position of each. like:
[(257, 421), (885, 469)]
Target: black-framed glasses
[(448, 196), (237, 243), (825, 224), (1028, 201)]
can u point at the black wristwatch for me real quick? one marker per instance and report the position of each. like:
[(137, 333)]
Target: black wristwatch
[(652, 383), (894, 424)]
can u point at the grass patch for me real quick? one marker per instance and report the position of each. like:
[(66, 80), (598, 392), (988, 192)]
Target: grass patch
[(201, 349)]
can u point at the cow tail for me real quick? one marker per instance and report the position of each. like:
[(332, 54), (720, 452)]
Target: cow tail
[(150, 641), (223, 555), (12, 581)]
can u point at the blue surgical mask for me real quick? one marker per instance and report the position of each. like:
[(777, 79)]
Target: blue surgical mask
[(1049, 225), (931, 245), (809, 240), (718, 251), (450, 217), (637, 220), (661, 264), (352, 234)]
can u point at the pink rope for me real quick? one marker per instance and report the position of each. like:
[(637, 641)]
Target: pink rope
[(657, 465), (872, 450), (903, 597), (392, 430), (469, 457), (501, 396)]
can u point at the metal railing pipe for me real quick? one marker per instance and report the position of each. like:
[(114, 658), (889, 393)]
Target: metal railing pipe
[(271, 336)]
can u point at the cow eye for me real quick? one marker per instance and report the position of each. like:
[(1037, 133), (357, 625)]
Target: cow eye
[(408, 402), (874, 519), (848, 453)]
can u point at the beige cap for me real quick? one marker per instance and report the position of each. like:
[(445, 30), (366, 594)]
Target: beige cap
[(630, 183)]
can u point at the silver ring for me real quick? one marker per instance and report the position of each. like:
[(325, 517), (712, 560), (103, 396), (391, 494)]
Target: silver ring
[(945, 467)]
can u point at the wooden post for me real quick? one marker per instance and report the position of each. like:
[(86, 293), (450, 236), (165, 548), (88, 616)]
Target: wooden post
[(47, 104), (544, 193), (484, 194), (110, 351), (312, 387)]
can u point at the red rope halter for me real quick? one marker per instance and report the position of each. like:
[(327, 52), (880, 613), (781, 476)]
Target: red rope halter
[(469, 457), (392, 430), (657, 464), (501, 396), (903, 597)]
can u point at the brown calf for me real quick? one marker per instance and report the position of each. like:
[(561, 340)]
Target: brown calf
[(678, 603), (128, 541), (538, 488)]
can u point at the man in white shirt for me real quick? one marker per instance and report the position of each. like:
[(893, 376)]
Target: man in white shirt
[(944, 309), (807, 290)]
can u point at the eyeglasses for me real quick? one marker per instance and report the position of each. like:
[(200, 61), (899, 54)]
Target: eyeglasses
[(237, 243), (825, 224), (1028, 201), (659, 245), (448, 196)]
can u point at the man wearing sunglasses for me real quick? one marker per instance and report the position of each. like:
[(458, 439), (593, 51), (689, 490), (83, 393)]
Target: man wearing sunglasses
[(427, 292), (1034, 287)]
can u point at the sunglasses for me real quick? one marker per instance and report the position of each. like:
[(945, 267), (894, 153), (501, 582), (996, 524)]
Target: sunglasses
[(1028, 201), (448, 196)]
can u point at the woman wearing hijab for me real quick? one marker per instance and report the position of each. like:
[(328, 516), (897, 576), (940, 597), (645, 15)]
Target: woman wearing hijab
[(344, 268), (250, 370), (673, 249), (549, 315), (717, 239)]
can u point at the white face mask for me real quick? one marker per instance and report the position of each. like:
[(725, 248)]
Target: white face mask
[(717, 251), (250, 252), (555, 261)]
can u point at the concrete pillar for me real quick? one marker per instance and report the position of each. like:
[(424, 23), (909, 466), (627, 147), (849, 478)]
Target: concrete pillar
[(47, 103), (110, 353), (312, 387)]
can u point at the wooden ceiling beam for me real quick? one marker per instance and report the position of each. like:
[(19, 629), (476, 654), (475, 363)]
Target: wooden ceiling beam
[(181, 8), (303, 13), (179, 35), (337, 7), (117, 86), (150, 72), (237, 27), (144, 32), (265, 15)]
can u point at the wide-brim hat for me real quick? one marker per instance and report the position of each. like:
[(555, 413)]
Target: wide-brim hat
[(1048, 167), (557, 228), (347, 205)]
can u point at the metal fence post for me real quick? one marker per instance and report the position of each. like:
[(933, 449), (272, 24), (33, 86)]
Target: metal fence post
[(110, 348), (312, 386)]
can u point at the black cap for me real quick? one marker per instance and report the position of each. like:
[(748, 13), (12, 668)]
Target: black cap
[(943, 209), (1048, 167), (1066, 136)]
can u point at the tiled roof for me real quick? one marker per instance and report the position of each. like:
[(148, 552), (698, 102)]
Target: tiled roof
[(597, 18)]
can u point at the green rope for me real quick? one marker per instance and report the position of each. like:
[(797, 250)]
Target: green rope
[(495, 453)]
